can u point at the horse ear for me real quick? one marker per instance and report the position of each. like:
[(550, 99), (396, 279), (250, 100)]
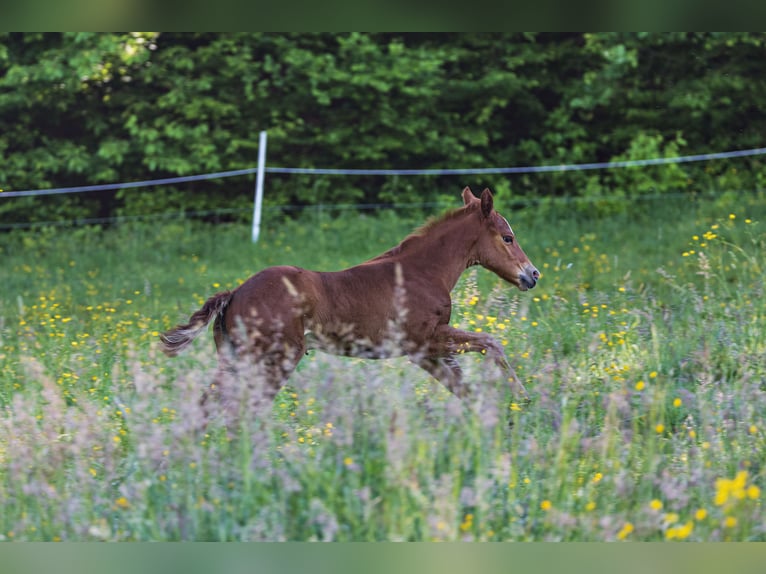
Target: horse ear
[(487, 202), (468, 196)]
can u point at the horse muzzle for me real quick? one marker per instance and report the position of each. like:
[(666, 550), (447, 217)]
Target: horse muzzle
[(528, 277)]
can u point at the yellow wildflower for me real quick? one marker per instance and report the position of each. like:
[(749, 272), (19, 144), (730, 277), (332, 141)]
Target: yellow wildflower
[(730, 488), (671, 518), (626, 529), (680, 532), (467, 523)]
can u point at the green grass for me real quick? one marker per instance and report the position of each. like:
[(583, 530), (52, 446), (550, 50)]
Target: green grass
[(642, 347)]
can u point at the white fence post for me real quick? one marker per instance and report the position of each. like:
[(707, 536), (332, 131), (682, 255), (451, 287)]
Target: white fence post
[(259, 186)]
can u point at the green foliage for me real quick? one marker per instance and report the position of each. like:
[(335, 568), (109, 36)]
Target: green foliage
[(607, 191), (85, 108)]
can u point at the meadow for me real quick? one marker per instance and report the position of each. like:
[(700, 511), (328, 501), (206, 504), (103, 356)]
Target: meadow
[(642, 348)]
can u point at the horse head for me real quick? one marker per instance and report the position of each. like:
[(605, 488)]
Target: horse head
[(497, 248)]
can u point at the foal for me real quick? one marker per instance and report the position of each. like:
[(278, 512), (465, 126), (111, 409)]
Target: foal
[(395, 304)]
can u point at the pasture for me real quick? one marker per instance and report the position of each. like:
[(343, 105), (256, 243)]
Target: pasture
[(642, 349)]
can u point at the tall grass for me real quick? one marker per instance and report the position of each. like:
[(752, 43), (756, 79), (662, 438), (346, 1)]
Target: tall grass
[(642, 348)]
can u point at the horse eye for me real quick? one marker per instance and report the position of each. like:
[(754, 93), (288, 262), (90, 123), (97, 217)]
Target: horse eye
[(508, 238)]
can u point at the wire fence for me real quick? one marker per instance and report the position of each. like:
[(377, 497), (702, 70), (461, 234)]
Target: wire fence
[(392, 172), (343, 172)]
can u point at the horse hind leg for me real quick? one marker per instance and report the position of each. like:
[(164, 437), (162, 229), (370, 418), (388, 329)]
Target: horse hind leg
[(276, 366), (214, 398), (247, 391), (255, 359)]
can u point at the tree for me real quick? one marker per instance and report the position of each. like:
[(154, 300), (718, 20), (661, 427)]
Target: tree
[(78, 109)]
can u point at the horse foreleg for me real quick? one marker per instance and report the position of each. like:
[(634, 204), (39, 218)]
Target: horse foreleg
[(448, 341), (447, 371)]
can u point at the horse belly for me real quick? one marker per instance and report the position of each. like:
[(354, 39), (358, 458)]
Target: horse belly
[(350, 339), (355, 314)]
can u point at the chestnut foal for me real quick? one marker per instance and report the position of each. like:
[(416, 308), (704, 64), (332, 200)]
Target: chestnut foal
[(395, 304)]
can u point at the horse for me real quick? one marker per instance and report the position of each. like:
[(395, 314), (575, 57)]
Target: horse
[(396, 304)]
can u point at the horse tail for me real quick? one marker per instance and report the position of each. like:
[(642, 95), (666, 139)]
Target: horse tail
[(178, 338)]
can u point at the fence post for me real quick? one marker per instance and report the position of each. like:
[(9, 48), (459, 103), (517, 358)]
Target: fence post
[(259, 186)]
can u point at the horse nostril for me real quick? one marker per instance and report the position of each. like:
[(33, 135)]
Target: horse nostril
[(536, 274)]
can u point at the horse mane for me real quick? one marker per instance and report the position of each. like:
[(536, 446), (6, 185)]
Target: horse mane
[(422, 231)]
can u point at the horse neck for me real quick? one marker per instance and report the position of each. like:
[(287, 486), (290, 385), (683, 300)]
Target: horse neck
[(444, 250)]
